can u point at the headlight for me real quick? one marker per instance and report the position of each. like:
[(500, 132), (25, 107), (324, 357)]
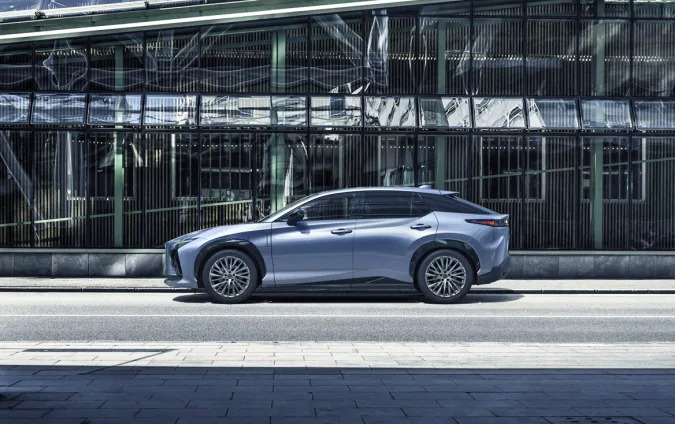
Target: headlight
[(184, 242)]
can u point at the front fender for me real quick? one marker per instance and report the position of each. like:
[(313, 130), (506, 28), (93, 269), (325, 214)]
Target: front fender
[(229, 243)]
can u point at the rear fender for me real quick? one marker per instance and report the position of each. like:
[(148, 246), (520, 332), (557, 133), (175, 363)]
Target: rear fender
[(457, 245)]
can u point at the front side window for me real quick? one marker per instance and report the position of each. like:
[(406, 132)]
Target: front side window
[(332, 207)]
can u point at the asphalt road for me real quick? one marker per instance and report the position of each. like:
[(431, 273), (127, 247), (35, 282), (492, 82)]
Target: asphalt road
[(481, 318)]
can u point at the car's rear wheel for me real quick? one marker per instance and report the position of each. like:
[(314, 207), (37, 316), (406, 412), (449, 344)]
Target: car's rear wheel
[(230, 276), (445, 276)]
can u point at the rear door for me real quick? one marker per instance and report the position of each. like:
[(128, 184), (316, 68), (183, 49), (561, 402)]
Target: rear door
[(390, 225)]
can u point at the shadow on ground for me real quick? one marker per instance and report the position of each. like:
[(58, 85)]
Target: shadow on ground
[(120, 394), (348, 298)]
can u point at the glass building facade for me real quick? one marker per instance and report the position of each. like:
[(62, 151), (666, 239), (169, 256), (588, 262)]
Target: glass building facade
[(561, 114)]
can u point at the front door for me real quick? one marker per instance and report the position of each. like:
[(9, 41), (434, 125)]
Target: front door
[(320, 247)]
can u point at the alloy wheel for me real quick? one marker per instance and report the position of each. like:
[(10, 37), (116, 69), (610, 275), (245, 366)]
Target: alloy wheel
[(445, 276), (229, 276)]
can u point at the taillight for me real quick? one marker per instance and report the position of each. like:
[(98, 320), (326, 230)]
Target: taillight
[(490, 222)]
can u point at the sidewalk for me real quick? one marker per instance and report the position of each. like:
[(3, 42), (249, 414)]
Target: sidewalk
[(500, 287)]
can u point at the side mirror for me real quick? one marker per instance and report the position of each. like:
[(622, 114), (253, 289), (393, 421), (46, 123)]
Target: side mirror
[(295, 216)]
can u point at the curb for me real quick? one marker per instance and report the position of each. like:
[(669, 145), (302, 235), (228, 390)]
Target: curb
[(310, 293)]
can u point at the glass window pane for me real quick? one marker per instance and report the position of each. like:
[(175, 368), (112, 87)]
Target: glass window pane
[(289, 111), (172, 61), (58, 108), (552, 113), (605, 181), (498, 113), (604, 50), (605, 8), (333, 160), (452, 8), (167, 109), (498, 8), (292, 77), (16, 10), (386, 204), (236, 59), (53, 9), (654, 59), (550, 220), (551, 58), (281, 165), (226, 166), (445, 112), (654, 8), (390, 54), (386, 160), (444, 162), (655, 115), (109, 109), (239, 111), (336, 111), (445, 56), (14, 108), (394, 112), (16, 67), (653, 221), (337, 206), (61, 65), (497, 169), (171, 178), (117, 63), (337, 54), (15, 197), (549, 8), (606, 114), (498, 57), (60, 189)]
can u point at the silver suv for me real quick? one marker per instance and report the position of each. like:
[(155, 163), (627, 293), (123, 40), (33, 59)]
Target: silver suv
[(429, 239)]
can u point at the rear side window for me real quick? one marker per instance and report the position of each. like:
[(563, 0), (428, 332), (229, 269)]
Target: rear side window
[(391, 204), (448, 203)]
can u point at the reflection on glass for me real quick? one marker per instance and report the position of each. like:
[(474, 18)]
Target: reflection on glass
[(395, 112), (498, 113), (605, 8), (58, 108), (242, 111), (655, 115), (61, 65), (606, 114), (117, 63), (16, 67), (654, 58), (551, 57), (498, 7), (552, 113), (444, 162), (445, 112), (604, 48), (444, 47), (549, 8), (19, 9), (335, 111), (453, 8), (337, 55), (390, 54), (167, 109), (172, 61), (109, 109), (498, 57), (289, 111), (654, 8), (80, 7), (16, 195), (14, 108), (236, 60)]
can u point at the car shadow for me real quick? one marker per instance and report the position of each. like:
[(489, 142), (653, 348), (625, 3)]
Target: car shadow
[(348, 298)]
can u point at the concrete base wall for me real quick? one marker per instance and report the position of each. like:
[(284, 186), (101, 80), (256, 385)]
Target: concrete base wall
[(524, 265)]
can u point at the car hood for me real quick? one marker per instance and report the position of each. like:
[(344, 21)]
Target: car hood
[(227, 230)]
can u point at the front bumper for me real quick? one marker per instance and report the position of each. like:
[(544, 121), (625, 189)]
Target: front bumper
[(497, 273)]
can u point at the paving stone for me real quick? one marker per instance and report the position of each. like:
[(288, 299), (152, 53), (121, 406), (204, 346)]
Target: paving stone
[(92, 413), (271, 412), (448, 412)]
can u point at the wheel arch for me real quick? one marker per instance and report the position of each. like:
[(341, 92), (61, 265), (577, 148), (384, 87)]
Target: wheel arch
[(217, 245), (443, 244)]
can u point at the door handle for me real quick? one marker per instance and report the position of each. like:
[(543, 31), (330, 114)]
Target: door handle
[(341, 231), (420, 227)]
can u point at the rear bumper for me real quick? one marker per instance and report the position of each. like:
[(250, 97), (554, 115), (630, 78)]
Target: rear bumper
[(497, 273)]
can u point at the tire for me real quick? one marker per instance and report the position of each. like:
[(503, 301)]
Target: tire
[(438, 276), (224, 276)]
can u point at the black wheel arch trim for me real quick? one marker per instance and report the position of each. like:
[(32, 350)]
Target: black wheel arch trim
[(228, 243), (427, 248)]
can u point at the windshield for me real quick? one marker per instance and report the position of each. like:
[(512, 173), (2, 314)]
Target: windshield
[(281, 212)]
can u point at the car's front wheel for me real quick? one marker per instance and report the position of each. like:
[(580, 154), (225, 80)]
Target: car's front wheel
[(230, 276), (445, 276)]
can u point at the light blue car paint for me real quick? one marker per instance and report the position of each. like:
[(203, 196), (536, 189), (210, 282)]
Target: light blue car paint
[(316, 251)]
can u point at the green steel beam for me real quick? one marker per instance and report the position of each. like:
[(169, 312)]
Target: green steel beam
[(181, 17)]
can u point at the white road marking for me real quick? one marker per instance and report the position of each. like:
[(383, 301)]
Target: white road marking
[(332, 316)]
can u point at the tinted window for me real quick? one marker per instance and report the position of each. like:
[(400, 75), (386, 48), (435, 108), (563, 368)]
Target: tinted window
[(391, 204), (337, 206), (447, 203)]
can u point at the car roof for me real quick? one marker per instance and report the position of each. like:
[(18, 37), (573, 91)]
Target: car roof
[(389, 188)]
